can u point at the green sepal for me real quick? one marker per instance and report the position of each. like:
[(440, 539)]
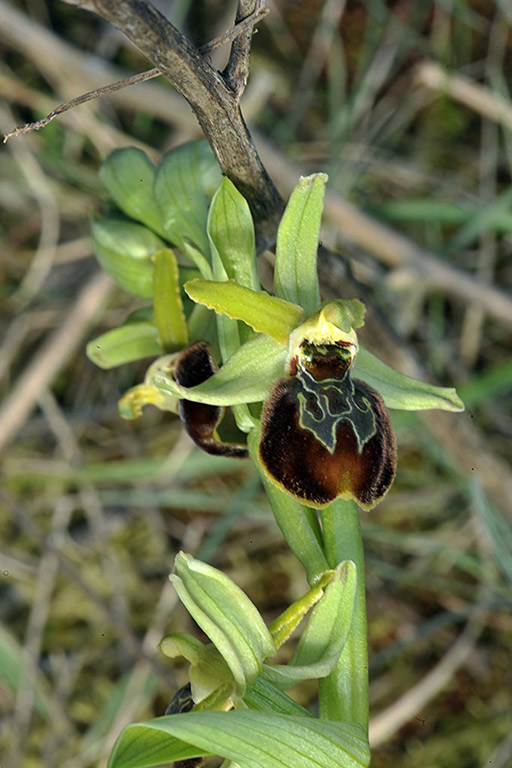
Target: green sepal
[(180, 193), (128, 176), (168, 306), (231, 234), (227, 617), (295, 274), (264, 313), (250, 739), (325, 634), (247, 377), (132, 341), (208, 670), (124, 250), (400, 391)]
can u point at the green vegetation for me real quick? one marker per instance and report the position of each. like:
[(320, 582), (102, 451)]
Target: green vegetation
[(94, 508)]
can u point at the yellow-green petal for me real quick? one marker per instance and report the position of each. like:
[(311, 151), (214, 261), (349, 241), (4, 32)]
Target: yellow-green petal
[(264, 313), (168, 307)]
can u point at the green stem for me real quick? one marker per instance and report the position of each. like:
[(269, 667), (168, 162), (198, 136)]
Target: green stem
[(343, 695), (299, 525)]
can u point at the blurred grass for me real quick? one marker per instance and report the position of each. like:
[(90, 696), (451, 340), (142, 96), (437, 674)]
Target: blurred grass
[(93, 509)]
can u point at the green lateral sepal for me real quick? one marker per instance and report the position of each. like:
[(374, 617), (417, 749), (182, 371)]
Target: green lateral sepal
[(400, 391), (247, 377), (231, 234)]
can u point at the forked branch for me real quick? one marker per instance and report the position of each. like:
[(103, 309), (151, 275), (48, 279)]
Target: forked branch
[(213, 96)]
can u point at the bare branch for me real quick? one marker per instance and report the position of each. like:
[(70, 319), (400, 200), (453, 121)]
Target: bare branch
[(236, 72), (82, 99), (211, 98), (243, 26)]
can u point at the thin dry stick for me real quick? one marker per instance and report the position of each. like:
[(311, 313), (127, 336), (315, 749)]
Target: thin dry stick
[(127, 638), (214, 98), (394, 249), (476, 97), (53, 56), (242, 26), (407, 706), (52, 356), (44, 586)]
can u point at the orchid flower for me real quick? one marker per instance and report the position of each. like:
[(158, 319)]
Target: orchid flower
[(324, 431)]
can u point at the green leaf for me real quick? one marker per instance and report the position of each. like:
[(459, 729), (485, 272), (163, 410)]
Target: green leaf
[(226, 615), (295, 275), (400, 391), (247, 377), (180, 195), (324, 637), (264, 313), (124, 250), (132, 341), (128, 176), (251, 739), (168, 307)]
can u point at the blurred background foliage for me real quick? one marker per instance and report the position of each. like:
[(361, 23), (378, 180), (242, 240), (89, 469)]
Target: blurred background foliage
[(93, 508)]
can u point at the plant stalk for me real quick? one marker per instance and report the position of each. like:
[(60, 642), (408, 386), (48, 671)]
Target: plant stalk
[(299, 524), (343, 695)]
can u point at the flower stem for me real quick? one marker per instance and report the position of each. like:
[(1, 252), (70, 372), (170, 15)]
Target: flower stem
[(343, 695), (299, 524)]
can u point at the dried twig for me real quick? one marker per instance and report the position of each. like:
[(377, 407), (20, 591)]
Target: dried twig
[(48, 361), (244, 25), (394, 249), (236, 72), (383, 726), (213, 98), (474, 96)]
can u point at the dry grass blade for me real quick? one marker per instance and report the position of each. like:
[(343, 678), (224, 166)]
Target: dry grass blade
[(476, 97), (383, 726), (52, 356)]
